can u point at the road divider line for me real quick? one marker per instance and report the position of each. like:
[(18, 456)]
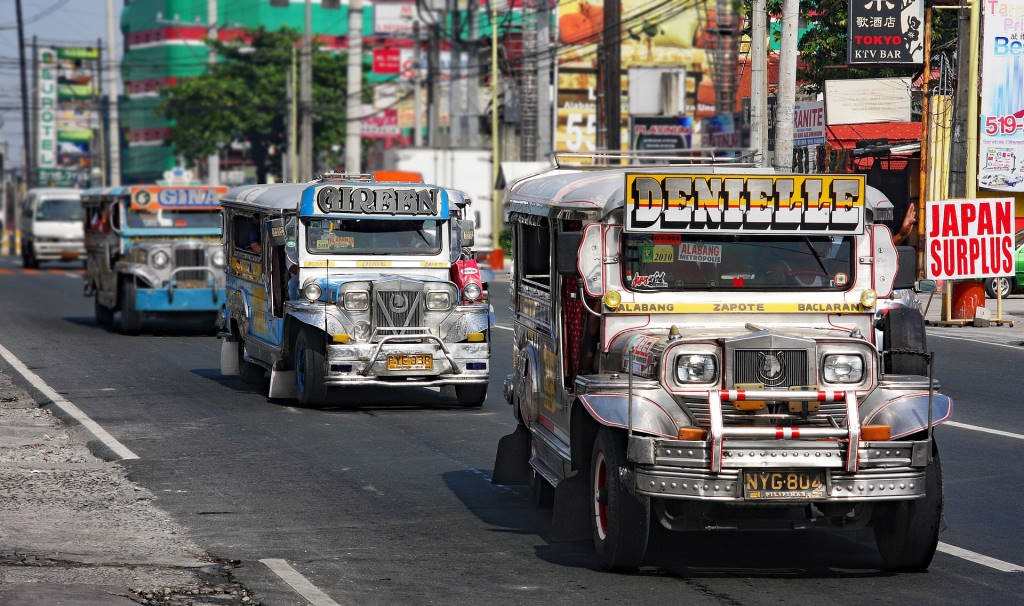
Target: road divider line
[(978, 558), (1004, 345), (998, 432), (503, 327), (69, 409), (299, 583)]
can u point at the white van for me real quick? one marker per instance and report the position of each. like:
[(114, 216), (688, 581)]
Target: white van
[(52, 227)]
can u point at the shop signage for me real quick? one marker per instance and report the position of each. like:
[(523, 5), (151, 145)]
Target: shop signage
[(969, 238), (885, 31)]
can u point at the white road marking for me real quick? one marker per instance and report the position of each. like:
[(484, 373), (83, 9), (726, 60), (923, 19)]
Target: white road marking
[(978, 558), (1014, 347), (299, 583), (70, 409), (503, 327), (998, 432)]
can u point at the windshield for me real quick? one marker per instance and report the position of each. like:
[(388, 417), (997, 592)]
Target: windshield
[(173, 218), (58, 209), (373, 237), (656, 262)]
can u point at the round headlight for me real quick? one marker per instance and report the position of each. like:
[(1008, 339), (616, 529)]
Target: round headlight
[(842, 368), (696, 368), (356, 300), (472, 291), (311, 290), (217, 258), (160, 259)]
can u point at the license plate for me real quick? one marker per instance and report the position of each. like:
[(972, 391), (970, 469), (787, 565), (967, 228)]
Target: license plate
[(767, 485), (68, 256), (411, 362)]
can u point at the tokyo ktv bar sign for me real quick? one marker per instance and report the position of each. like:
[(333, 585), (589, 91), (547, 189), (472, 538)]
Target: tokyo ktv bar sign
[(885, 31)]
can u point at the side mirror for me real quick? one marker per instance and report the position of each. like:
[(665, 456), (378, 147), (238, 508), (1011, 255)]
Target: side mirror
[(923, 286), (567, 249), (277, 231), (906, 271), (467, 231)]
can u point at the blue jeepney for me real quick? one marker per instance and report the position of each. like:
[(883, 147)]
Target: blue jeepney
[(153, 251)]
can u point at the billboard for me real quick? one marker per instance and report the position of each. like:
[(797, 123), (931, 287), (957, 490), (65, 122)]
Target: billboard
[(887, 100), (1001, 133), (885, 31), (46, 102), (67, 115), (969, 238)]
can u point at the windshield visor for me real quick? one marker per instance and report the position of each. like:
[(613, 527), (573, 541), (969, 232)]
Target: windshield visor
[(373, 237), (59, 210), (659, 263), (173, 219)]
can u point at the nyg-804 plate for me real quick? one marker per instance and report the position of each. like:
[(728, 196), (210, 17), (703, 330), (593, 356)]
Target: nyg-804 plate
[(410, 362), (773, 485)]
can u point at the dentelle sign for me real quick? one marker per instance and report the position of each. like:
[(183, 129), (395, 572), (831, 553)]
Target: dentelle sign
[(970, 238)]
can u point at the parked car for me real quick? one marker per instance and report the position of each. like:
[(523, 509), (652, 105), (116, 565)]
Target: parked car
[(1009, 284)]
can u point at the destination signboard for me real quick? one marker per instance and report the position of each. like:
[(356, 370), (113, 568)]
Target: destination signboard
[(377, 202)]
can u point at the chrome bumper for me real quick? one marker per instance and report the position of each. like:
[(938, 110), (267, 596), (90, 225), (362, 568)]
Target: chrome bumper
[(366, 363), (52, 251)]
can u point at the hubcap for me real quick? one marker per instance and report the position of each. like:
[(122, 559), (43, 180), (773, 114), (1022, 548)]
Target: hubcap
[(1003, 286), (600, 497)]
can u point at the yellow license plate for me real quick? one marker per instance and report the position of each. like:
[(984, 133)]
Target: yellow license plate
[(411, 362), (768, 485)]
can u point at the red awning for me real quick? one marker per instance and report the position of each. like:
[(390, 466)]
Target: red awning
[(846, 136)]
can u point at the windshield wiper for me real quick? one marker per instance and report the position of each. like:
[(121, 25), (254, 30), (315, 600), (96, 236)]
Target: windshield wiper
[(817, 257)]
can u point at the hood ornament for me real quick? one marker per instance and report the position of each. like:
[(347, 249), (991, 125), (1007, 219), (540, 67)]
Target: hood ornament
[(770, 367)]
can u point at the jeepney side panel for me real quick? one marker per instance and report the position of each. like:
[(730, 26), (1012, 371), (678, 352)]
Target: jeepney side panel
[(103, 248), (246, 283)]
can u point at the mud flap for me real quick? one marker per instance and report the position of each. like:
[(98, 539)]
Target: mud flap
[(512, 461), (282, 385), (570, 520), (229, 358)]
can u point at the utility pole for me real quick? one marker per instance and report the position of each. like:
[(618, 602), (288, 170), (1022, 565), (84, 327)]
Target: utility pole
[(971, 183), (293, 119), (759, 80), (113, 119), (26, 124), (354, 106), (528, 83), (473, 78), (544, 64), (434, 90), (455, 113), (787, 87), (417, 83), (611, 65), (496, 219), (306, 97), (213, 161)]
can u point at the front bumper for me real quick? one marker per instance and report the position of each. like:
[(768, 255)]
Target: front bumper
[(166, 300), (356, 364), (58, 251), (678, 469)]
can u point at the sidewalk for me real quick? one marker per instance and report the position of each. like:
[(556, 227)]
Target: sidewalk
[(1013, 309), (75, 531)]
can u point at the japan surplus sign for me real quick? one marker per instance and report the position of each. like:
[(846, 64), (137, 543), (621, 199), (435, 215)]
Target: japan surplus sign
[(885, 31), (969, 238), (1001, 141)]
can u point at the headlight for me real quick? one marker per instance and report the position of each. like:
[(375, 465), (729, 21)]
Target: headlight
[(137, 255), (217, 258), (356, 300), (160, 259), (696, 368), (842, 368), (472, 291), (311, 290), (361, 331), (439, 300)]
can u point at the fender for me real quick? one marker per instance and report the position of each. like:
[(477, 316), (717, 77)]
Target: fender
[(908, 414), (522, 387), (611, 410)]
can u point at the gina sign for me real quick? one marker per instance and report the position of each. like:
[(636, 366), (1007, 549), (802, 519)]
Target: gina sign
[(734, 203)]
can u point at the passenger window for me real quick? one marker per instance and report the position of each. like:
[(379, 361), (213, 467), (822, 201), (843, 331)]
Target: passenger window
[(245, 234), (535, 255)]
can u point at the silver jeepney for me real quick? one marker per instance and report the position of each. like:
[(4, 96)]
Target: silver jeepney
[(347, 282), (710, 347)]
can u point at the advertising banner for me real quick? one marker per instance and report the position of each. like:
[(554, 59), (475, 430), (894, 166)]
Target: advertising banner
[(656, 133), (387, 60), (885, 100), (46, 117), (393, 17), (885, 31), (969, 238), (1001, 133), (809, 123)]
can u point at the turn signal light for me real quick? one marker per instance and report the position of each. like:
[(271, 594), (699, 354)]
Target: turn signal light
[(475, 337), (876, 433), (691, 433), (612, 299), (340, 338)]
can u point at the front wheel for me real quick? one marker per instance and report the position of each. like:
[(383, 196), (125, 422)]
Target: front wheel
[(310, 362), (471, 396), (621, 521), (104, 315), (131, 318), (998, 287), (907, 532), (903, 330)]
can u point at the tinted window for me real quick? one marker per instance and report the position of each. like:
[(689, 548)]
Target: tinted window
[(54, 209)]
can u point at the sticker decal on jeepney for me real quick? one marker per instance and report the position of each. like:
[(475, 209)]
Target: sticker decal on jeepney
[(744, 203), (652, 280), (700, 253)]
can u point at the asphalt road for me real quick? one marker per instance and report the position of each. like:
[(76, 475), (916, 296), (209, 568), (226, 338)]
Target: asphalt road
[(386, 497)]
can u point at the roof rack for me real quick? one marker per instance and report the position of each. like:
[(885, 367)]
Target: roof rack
[(343, 176), (740, 157)]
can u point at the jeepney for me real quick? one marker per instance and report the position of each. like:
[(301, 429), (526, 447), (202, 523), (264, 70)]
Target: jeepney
[(153, 251), (718, 347), (348, 282)]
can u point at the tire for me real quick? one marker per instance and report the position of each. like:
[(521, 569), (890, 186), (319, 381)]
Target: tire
[(104, 315), (1004, 284), (621, 521), (903, 329), (310, 361), (131, 319), (471, 396), (28, 256), (908, 532), (250, 373)]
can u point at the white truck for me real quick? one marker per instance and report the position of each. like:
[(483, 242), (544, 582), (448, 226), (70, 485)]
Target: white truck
[(52, 229)]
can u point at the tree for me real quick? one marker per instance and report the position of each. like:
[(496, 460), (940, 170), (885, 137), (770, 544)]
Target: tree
[(242, 98)]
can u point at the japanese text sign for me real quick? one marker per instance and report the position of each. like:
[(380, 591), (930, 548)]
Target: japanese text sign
[(969, 238), (885, 31)]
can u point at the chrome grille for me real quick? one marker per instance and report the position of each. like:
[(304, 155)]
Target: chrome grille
[(829, 414), (191, 275), (770, 367), (189, 257), (397, 309)]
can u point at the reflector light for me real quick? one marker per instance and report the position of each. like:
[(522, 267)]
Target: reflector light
[(876, 433), (691, 433)]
